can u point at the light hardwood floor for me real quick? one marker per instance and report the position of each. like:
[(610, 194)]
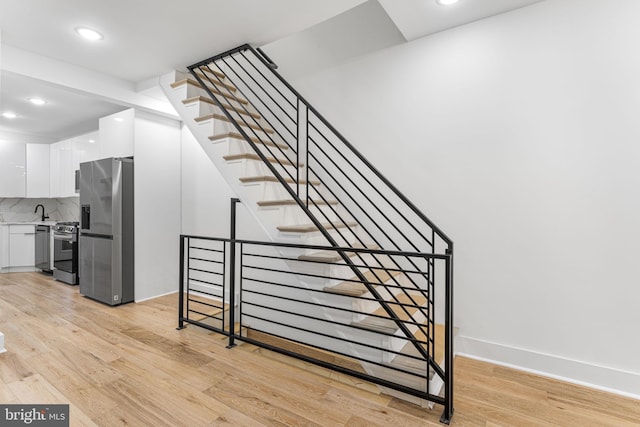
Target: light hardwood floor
[(128, 365)]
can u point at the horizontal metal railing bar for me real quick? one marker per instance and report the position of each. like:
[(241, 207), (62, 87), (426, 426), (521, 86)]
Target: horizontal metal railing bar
[(322, 247), (194, 301), (219, 285), (206, 260), (206, 249), (205, 326), (398, 270), (348, 310), (373, 362), (205, 271), (404, 389), (405, 322), (209, 316), (323, 292)]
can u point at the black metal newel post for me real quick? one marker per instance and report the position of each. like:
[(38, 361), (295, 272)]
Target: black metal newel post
[(448, 338), (232, 274), (181, 287)]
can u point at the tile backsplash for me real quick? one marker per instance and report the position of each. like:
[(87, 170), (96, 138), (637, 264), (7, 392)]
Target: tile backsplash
[(22, 209)]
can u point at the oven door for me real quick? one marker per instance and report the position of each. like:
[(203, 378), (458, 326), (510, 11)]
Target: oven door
[(64, 245)]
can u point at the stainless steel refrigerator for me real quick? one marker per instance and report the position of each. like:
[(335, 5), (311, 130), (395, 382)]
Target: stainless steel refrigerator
[(106, 243)]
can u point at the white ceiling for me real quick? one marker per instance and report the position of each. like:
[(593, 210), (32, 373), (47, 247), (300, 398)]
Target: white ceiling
[(146, 38)]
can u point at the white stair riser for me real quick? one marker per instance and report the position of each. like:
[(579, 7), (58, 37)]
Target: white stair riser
[(262, 190), (220, 127), (249, 167), (291, 215), (189, 91)]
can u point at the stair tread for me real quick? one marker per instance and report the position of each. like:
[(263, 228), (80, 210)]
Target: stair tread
[(270, 178), (386, 324), (308, 228), (225, 95), (227, 106), (252, 156), (209, 70), (229, 95), (216, 81), (226, 119), (357, 288), (333, 256), (192, 82), (236, 135), (291, 202)]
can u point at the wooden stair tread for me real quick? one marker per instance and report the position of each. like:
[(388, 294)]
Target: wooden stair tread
[(224, 118), (236, 135), (252, 156), (357, 288), (205, 69), (291, 202), (229, 95), (270, 178), (386, 324), (217, 92), (192, 82), (203, 76), (333, 256), (212, 102), (308, 228)]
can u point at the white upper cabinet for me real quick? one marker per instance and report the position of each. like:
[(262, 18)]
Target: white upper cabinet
[(37, 159), (66, 157), (12, 169)]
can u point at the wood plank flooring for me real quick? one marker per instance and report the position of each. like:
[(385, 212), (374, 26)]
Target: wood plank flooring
[(129, 366)]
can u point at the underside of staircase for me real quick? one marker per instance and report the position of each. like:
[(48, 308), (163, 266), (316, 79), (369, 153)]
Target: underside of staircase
[(374, 297)]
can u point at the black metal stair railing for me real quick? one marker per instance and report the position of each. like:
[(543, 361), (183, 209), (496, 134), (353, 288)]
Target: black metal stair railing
[(317, 165)]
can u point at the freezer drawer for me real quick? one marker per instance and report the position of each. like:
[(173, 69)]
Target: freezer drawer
[(100, 270)]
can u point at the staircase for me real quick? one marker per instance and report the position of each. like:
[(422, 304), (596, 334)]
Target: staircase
[(352, 253)]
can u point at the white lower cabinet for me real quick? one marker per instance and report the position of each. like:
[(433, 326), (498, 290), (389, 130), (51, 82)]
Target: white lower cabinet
[(22, 246)]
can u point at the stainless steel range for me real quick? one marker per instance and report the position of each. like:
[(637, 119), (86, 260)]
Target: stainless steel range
[(65, 252)]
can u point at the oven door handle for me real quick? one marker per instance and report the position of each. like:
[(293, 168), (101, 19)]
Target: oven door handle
[(61, 236)]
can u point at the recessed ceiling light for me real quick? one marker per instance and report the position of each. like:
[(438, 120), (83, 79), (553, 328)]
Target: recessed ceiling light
[(37, 101), (9, 115), (89, 34), (118, 119), (91, 141), (446, 2)]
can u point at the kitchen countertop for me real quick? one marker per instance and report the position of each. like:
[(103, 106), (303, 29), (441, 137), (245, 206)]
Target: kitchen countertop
[(49, 223)]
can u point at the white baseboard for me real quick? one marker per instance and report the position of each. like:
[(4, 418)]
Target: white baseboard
[(573, 371), (155, 296)]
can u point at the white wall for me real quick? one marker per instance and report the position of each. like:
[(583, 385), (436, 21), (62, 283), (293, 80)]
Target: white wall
[(157, 205), (518, 135), (206, 197)]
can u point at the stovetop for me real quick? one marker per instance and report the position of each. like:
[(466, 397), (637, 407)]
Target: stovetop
[(66, 227)]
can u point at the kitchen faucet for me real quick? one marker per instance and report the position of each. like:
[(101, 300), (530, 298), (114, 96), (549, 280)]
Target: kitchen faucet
[(43, 215)]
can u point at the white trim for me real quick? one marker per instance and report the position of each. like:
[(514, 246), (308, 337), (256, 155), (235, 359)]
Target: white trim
[(602, 378), (156, 296)]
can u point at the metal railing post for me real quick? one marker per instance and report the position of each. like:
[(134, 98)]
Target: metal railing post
[(181, 287), (232, 274), (447, 414)]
